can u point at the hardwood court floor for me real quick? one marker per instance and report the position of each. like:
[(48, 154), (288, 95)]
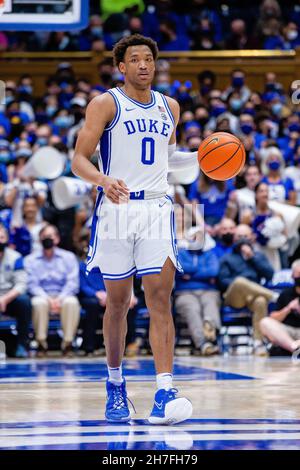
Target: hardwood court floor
[(239, 403)]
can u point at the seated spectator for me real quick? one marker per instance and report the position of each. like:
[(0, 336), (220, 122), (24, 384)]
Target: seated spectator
[(237, 85), (282, 327), (17, 190), (240, 275), (13, 298), (171, 39), (213, 194), (26, 238), (289, 39), (224, 237), (281, 189), (197, 298), (293, 173), (269, 228), (239, 38), (243, 199), (53, 282)]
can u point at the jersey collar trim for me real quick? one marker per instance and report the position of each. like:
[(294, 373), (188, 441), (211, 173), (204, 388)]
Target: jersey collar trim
[(138, 103)]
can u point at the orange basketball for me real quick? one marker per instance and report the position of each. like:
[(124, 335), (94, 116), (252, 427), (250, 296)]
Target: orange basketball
[(221, 156)]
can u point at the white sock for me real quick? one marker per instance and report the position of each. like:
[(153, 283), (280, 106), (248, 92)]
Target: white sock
[(115, 374), (164, 381)]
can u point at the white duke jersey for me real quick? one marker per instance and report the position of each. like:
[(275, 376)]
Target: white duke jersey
[(134, 145)]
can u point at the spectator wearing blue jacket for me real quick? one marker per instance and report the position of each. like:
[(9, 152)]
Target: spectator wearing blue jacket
[(240, 275), (197, 298), (225, 236)]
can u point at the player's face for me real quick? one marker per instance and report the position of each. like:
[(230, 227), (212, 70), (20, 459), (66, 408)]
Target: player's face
[(138, 67)]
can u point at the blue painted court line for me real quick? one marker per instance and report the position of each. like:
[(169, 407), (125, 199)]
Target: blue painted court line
[(142, 422), (136, 370)]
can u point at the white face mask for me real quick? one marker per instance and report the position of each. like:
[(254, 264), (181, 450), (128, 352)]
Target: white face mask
[(292, 35)]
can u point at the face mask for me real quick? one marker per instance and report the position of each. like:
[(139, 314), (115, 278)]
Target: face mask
[(246, 129), (227, 239), (64, 121), (27, 89), (204, 90), (297, 281), (274, 165), (236, 104), (97, 31), (217, 110), (8, 99), (292, 35), (50, 110), (294, 128), (163, 87), (42, 141), (276, 108), (3, 245), (47, 243), (249, 111), (270, 87), (4, 157), (237, 82)]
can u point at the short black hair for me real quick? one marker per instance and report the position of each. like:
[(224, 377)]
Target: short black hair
[(121, 46)]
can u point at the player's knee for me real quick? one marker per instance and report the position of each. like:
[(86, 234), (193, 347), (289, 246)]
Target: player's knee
[(118, 308), (159, 302)]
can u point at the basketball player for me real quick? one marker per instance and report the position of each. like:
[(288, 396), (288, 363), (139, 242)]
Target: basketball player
[(136, 128)]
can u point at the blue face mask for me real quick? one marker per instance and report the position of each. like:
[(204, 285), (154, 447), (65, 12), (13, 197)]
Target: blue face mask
[(64, 121), (275, 165), (4, 156), (50, 110), (163, 87), (237, 82), (42, 141), (246, 129), (97, 31), (25, 89), (8, 99), (217, 110), (276, 108), (249, 111), (236, 104), (294, 128)]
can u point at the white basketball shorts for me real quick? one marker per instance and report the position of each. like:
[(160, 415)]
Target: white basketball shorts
[(132, 238)]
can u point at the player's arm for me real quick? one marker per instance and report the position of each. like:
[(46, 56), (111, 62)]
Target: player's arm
[(178, 160), (100, 111)]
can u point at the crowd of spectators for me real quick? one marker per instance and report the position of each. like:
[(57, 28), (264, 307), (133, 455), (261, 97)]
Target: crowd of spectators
[(174, 24), (247, 236)]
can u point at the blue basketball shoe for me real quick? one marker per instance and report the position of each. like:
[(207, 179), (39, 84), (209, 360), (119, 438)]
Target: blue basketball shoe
[(170, 409), (116, 407)]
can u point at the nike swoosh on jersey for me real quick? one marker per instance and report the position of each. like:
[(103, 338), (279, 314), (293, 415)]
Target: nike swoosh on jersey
[(129, 109), (160, 205)]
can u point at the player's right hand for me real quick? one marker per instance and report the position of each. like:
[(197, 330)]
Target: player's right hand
[(115, 190)]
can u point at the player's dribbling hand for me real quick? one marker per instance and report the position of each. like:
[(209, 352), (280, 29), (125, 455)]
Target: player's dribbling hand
[(115, 190)]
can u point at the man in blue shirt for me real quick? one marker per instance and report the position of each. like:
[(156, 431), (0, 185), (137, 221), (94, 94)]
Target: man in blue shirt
[(53, 281)]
